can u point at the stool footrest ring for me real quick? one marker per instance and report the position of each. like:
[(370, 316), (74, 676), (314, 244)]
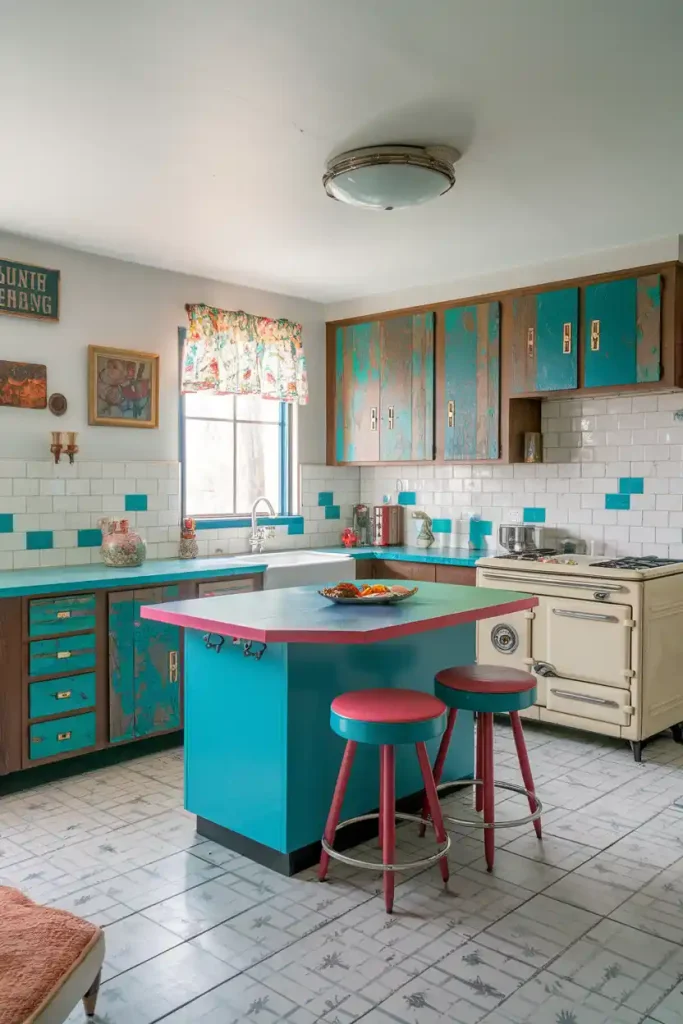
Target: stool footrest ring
[(355, 862), (496, 824)]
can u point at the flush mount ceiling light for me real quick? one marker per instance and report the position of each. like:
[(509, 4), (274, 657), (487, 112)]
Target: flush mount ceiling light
[(390, 177)]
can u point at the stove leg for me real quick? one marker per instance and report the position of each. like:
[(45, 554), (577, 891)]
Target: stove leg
[(677, 732), (637, 748)]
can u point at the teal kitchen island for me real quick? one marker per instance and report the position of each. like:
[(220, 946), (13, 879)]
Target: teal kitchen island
[(261, 671)]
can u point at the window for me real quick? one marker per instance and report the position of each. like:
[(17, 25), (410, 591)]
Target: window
[(233, 449)]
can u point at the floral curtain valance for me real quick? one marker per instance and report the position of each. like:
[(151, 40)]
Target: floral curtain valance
[(235, 353)]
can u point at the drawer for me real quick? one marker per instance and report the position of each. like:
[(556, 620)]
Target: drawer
[(63, 654), (59, 696), (61, 615), (394, 569), (460, 575), (589, 700), (61, 736)]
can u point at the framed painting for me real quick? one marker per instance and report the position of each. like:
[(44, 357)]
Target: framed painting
[(23, 385), (123, 388)]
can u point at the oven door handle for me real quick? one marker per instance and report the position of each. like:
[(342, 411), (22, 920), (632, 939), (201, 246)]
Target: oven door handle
[(584, 699), (566, 582), (542, 668), (590, 616)]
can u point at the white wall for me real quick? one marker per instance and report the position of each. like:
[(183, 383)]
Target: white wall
[(110, 302)]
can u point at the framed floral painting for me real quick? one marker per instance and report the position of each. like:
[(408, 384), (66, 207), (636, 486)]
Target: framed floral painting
[(123, 388)]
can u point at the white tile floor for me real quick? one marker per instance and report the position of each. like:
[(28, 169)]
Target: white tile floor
[(583, 928)]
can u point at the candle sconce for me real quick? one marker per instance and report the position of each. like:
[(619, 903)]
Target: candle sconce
[(71, 446), (64, 442), (56, 446)]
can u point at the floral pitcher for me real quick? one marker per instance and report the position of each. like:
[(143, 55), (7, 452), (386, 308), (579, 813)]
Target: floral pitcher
[(121, 546)]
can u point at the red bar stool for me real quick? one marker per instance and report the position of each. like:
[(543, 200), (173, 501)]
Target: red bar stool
[(487, 690), (386, 718)]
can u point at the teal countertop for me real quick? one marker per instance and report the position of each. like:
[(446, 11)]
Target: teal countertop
[(404, 553), (65, 580)]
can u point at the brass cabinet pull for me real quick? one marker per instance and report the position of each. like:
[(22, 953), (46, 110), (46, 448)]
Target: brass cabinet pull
[(63, 615), (373, 418), (530, 340), (173, 666), (63, 654), (61, 736), (391, 417), (567, 339), (595, 335), (63, 695), (451, 413)]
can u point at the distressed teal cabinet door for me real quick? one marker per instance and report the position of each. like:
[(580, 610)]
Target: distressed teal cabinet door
[(622, 331), (357, 355), (157, 653), (121, 666), (545, 341), (406, 430), (471, 384)]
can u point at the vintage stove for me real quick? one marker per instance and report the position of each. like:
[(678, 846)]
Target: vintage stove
[(605, 642)]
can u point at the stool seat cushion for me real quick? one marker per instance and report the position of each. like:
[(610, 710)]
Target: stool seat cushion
[(40, 948), (486, 688), (387, 716)]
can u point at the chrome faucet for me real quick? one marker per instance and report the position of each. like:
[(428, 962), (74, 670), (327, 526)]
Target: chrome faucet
[(258, 533)]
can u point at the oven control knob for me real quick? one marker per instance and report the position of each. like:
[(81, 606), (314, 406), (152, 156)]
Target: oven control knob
[(504, 638), (601, 595)]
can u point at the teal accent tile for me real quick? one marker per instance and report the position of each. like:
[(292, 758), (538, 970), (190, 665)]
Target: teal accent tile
[(480, 528), (325, 498), (407, 498), (89, 538), (39, 540), (534, 515), (618, 501), (136, 503), (295, 526), (7, 522), (332, 512), (631, 485), (441, 526)]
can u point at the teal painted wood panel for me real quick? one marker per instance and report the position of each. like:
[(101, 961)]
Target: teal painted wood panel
[(61, 615), (121, 666), (357, 392), (59, 696), (64, 654), (557, 311), (407, 388), (472, 382), (648, 328), (157, 703), (611, 305), (61, 736), (422, 427)]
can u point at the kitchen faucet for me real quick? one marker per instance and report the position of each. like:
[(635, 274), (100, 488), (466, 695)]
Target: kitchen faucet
[(258, 533)]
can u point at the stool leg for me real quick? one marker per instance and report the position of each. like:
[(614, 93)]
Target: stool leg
[(336, 806), (433, 801), (479, 790), (388, 806), (523, 756), (488, 787), (380, 831), (440, 761)]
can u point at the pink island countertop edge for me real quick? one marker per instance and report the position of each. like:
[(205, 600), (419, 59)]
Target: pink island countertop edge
[(302, 615)]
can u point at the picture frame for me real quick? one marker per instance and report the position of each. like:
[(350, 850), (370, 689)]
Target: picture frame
[(123, 388)]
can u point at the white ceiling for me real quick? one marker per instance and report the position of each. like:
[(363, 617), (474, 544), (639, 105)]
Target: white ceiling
[(193, 135)]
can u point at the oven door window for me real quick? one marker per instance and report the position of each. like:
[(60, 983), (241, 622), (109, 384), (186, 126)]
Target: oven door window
[(582, 640)]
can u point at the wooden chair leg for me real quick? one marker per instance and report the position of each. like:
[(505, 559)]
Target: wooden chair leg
[(90, 997)]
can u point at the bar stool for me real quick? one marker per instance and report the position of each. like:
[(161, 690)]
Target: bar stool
[(487, 690), (386, 718)]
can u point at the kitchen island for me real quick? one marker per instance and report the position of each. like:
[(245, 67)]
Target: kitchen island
[(261, 672)]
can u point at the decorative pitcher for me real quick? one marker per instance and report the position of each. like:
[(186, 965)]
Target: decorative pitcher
[(121, 546)]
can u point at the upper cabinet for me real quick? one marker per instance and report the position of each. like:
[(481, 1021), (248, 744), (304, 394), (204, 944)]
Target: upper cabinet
[(622, 331), (468, 382), (384, 390), (544, 341)]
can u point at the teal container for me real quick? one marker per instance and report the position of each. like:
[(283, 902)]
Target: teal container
[(60, 696), (61, 736), (63, 654), (61, 615)]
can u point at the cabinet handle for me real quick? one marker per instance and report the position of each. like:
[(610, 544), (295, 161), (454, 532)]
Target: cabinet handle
[(173, 666), (530, 339), (63, 695), (595, 335), (63, 654), (63, 615), (567, 340), (568, 695), (61, 736), (373, 418), (591, 616), (451, 413), (391, 417)]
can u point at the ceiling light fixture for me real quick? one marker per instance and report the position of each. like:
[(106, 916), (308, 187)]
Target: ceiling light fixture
[(390, 177)]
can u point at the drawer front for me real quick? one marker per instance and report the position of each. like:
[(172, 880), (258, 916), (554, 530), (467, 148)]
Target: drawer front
[(420, 572), (224, 587), (61, 736), (58, 697), (588, 700), (64, 654), (460, 575), (61, 615)]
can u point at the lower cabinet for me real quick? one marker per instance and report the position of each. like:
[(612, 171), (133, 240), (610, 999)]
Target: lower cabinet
[(417, 572), (144, 666), (421, 572)]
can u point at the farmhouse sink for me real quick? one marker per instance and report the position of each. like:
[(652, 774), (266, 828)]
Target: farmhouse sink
[(297, 568)]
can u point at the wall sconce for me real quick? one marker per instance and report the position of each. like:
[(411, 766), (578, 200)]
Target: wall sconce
[(64, 442), (71, 446), (56, 446)]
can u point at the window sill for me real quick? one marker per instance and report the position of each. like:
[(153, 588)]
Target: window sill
[(294, 524)]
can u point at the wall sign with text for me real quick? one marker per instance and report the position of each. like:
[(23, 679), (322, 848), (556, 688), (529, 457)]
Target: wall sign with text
[(29, 291)]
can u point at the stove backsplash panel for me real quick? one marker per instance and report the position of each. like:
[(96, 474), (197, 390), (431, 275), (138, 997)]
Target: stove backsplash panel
[(612, 475)]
